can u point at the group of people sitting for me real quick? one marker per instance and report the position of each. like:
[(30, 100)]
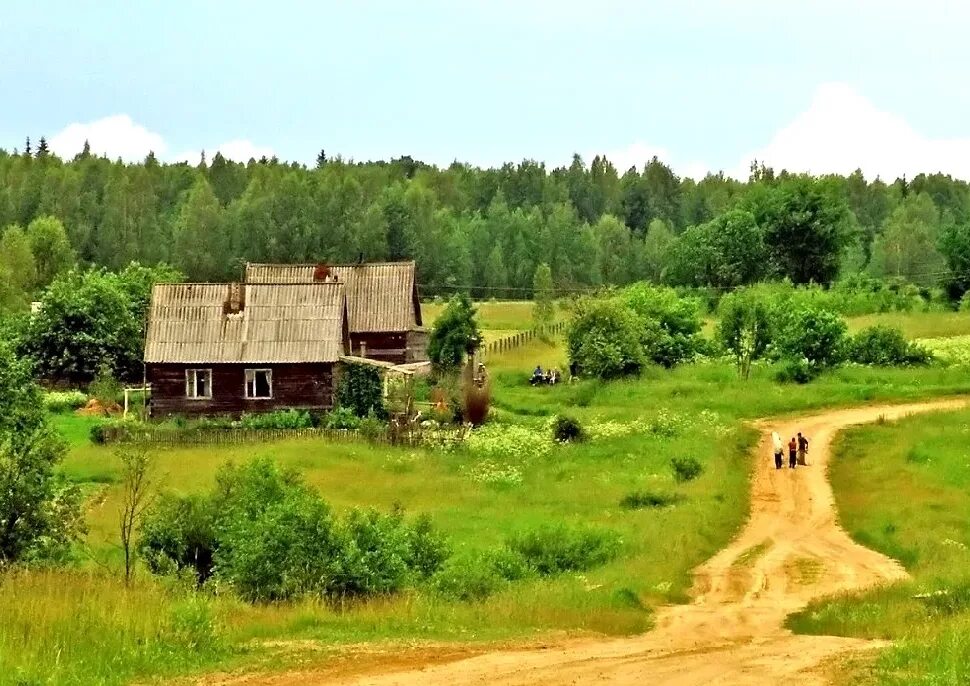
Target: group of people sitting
[(549, 377)]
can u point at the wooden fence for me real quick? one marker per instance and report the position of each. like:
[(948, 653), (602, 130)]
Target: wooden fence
[(516, 340), (152, 435)]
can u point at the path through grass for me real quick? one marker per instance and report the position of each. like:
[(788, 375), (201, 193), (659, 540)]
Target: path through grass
[(904, 489)]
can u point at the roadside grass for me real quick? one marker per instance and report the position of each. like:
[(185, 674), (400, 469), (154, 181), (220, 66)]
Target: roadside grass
[(694, 411), (903, 488)]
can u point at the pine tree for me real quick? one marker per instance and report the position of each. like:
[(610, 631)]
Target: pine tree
[(321, 158), (42, 149), (27, 149)]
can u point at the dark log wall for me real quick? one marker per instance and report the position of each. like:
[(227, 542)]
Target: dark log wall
[(386, 347), (308, 386)]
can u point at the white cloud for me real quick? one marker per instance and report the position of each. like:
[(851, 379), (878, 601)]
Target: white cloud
[(119, 136), (242, 150), (114, 136), (842, 131)]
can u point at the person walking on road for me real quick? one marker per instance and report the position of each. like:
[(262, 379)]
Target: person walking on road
[(802, 450), (779, 450), (792, 453)]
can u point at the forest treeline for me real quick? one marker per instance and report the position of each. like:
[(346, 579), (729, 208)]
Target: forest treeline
[(485, 231)]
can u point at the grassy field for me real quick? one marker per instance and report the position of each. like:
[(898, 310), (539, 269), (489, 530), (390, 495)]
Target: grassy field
[(506, 315), (927, 459), (476, 497), (918, 324)]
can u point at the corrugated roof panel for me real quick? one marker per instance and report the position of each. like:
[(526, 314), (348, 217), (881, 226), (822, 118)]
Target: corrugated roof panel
[(380, 295), (278, 323)]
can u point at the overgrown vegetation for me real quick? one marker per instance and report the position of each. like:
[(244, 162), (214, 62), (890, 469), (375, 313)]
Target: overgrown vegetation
[(361, 390)]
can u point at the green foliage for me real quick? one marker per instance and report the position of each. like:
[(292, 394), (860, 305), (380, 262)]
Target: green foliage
[(806, 226), (907, 246), (557, 548), (18, 270), (105, 388), (267, 535), (814, 335), (726, 252), (52, 251), (686, 468), (603, 340), (566, 429), (361, 389), (638, 500), (885, 346), (542, 296), (40, 513), (669, 325), (341, 418), (90, 318), (64, 401), (455, 334), (278, 419), (745, 327)]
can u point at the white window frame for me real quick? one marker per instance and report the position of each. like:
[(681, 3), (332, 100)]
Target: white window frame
[(192, 384), (250, 377)]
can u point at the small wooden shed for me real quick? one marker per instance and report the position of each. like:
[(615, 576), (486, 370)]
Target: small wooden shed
[(383, 309), (235, 348)]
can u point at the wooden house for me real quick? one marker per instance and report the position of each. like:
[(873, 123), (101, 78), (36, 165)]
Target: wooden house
[(235, 348), (383, 310)]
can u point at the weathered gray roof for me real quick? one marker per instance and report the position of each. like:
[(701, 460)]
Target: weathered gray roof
[(381, 296), (188, 323)]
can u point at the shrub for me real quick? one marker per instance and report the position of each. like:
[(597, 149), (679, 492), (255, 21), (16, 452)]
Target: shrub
[(267, 535), (556, 548), (279, 419), (64, 401), (886, 347), (105, 388), (567, 429), (745, 327), (815, 335), (638, 500), (475, 577), (603, 339), (797, 371), (668, 325), (361, 389), (341, 418), (455, 334), (686, 468)]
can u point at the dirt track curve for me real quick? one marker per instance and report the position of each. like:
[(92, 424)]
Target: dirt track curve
[(790, 551)]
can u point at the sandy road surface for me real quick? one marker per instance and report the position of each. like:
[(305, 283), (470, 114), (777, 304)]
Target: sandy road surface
[(732, 634)]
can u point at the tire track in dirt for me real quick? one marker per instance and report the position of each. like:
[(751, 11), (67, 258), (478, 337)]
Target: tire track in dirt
[(732, 634)]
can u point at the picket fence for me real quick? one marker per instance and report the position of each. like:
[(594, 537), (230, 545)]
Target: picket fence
[(516, 340)]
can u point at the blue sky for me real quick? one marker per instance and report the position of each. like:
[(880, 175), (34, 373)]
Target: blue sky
[(821, 86)]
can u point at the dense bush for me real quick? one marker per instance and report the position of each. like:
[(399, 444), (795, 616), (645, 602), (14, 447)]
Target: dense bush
[(603, 339), (361, 389), (64, 401), (557, 548), (455, 334), (669, 325), (278, 419), (885, 346), (814, 335), (474, 577), (566, 429), (266, 534), (341, 418), (686, 468)]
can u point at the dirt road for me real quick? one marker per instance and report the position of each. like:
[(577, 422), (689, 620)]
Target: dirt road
[(732, 634)]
